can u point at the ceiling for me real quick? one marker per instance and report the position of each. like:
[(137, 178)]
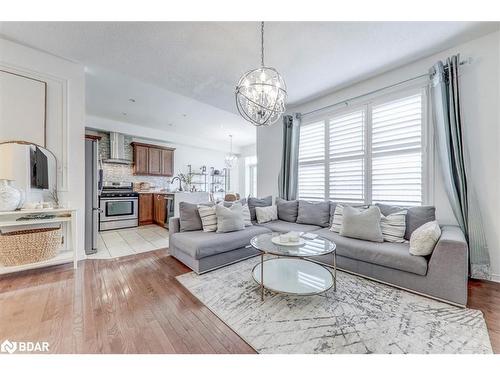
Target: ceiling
[(176, 68)]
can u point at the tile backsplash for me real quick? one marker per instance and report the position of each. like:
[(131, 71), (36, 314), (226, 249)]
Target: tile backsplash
[(120, 172)]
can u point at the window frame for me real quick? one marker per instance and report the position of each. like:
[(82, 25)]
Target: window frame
[(427, 144)]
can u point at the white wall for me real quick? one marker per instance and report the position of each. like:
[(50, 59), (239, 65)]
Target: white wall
[(185, 153), (246, 151), (480, 87), (65, 117)]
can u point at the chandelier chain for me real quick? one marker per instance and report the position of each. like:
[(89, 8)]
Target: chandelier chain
[(262, 43)]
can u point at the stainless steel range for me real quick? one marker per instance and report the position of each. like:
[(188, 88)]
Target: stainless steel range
[(118, 206)]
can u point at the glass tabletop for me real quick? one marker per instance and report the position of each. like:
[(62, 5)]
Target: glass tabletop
[(311, 247)]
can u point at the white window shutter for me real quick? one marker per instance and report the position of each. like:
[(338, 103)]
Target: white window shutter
[(312, 162)]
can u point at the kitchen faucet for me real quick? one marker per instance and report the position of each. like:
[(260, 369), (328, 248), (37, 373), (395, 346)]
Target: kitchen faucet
[(177, 178)]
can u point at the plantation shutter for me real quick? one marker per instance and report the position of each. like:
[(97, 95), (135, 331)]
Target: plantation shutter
[(312, 162), (346, 157), (396, 171)]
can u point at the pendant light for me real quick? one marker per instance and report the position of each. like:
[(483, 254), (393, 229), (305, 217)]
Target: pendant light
[(261, 93), (231, 158)]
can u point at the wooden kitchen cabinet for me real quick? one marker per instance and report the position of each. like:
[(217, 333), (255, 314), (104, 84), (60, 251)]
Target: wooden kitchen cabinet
[(146, 209), (152, 160), (160, 209), (141, 160)]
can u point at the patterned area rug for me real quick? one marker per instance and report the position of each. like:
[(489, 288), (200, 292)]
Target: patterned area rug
[(363, 316)]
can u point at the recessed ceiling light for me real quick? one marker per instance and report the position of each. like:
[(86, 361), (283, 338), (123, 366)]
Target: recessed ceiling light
[(184, 115), (131, 100), (124, 113), (170, 124)]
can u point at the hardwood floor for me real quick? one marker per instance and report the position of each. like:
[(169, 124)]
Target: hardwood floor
[(485, 296), (127, 305), (134, 304)]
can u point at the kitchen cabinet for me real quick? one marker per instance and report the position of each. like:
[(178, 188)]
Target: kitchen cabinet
[(152, 160), (146, 209), (160, 209)]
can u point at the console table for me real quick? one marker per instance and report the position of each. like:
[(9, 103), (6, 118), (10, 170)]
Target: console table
[(62, 215)]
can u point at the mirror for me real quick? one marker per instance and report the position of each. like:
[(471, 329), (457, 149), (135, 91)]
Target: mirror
[(31, 170)]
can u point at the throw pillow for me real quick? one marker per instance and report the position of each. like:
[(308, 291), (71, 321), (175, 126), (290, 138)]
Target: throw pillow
[(246, 216), (208, 218), (424, 239), (362, 224), (287, 210), (416, 216), (241, 201), (314, 213), (394, 226), (258, 202), (189, 218), (266, 214), (229, 219)]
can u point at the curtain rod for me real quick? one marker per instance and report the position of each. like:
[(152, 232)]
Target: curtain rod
[(346, 101)]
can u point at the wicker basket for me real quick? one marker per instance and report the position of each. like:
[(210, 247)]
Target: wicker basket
[(29, 246)]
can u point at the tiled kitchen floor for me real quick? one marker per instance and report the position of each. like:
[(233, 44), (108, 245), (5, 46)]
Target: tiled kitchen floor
[(122, 242)]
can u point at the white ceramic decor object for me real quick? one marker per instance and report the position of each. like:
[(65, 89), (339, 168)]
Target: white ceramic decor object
[(10, 197)]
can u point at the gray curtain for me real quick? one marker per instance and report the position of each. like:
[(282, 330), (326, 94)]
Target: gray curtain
[(289, 174), (450, 145)]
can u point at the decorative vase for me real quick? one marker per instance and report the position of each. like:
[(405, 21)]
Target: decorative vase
[(10, 197)]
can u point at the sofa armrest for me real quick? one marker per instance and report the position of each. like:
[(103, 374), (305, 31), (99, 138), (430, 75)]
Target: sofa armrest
[(174, 225), (451, 253)]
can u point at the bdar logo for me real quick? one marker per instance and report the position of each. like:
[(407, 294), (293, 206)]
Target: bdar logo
[(8, 347)]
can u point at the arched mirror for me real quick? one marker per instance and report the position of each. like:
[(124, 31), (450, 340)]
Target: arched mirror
[(28, 176)]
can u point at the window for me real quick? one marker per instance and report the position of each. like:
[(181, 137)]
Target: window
[(368, 154), (251, 176)]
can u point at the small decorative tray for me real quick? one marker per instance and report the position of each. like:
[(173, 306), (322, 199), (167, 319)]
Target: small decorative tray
[(276, 241)]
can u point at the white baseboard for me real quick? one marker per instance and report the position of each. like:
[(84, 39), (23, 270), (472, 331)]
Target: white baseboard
[(495, 277)]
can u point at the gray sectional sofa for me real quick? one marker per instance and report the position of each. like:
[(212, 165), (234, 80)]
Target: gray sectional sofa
[(443, 275)]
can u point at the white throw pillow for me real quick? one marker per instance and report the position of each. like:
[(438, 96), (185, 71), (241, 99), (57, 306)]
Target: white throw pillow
[(266, 214), (338, 217), (246, 216), (208, 218), (424, 238), (229, 219), (394, 226)]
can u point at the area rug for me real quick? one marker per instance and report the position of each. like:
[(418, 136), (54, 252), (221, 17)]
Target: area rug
[(362, 316)]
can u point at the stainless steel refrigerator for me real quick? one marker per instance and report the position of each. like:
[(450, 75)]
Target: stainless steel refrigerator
[(93, 186)]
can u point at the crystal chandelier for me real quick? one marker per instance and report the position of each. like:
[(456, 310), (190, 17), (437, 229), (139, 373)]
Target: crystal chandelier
[(261, 93), (231, 158)]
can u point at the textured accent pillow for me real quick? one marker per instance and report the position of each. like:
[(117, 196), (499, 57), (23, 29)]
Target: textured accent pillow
[(246, 216), (229, 219), (189, 218), (266, 214), (314, 213), (394, 226), (416, 216), (208, 218), (424, 239), (363, 224), (258, 202), (337, 218), (333, 206), (287, 210)]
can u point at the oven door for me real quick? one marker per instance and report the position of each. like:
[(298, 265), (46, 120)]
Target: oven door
[(113, 209)]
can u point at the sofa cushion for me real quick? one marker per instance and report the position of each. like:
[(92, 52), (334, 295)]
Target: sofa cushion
[(229, 219), (258, 202), (416, 216), (362, 224), (282, 226), (387, 254), (189, 217), (266, 214), (287, 210), (200, 244), (314, 213)]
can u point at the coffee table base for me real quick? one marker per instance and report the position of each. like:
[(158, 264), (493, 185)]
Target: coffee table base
[(296, 276)]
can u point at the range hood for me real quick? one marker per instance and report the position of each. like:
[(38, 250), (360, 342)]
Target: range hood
[(117, 149)]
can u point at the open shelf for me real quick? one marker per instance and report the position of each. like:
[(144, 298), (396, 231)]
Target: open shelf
[(61, 258)]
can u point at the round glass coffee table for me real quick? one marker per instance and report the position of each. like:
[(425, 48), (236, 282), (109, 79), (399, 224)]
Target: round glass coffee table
[(292, 272)]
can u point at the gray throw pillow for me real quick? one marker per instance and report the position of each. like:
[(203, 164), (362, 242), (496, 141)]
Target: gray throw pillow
[(229, 219), (415, 218), (189, 218), (287, 210), (258, 202), (314, 213), (362, 224), (242, 201)]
